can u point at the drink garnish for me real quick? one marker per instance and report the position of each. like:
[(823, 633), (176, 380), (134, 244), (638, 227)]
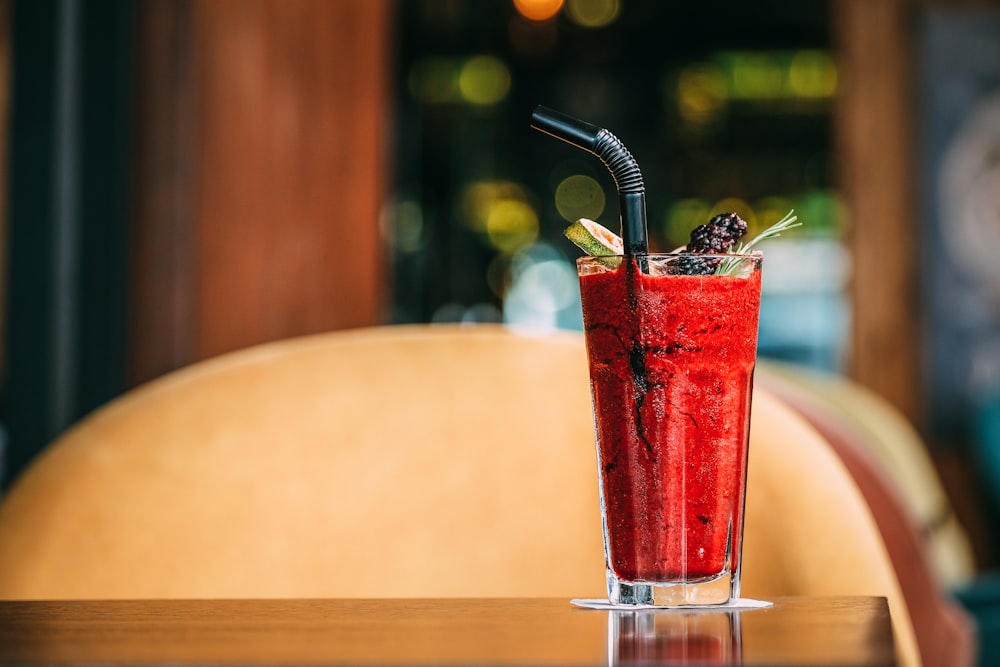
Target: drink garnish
[(719, 236), (596, 240)]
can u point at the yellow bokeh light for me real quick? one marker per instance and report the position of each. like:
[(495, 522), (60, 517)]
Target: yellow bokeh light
[(479, 196), (511, 225), (756, 76), (813, 74), (701, 93), (538, 10), (501, 211), (704, 89), (593, 13), (684, 216), (484, 80), (579, 196)]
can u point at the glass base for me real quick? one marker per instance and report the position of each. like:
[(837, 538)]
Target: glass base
[(717, 590)]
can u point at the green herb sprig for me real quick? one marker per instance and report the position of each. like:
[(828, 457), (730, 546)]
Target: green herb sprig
[(730, 266)]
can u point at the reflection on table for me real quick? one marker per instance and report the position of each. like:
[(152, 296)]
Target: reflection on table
[(703, 638)]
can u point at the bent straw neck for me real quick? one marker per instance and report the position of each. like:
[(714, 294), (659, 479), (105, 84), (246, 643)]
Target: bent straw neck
[(619, 161)]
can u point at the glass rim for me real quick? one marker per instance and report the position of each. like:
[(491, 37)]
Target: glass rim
[(753, 255)]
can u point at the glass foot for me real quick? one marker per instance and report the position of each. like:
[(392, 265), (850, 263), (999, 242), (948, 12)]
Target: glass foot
[(717, 590)]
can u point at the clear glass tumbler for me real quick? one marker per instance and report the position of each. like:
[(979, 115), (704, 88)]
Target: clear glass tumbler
[(672, 343)]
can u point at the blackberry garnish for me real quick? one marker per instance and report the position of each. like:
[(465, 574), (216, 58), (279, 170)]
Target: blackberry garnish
[(715, 237), (718, 235), (694, 266)]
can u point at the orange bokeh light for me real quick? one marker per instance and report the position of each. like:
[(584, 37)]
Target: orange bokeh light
[(538, 10)]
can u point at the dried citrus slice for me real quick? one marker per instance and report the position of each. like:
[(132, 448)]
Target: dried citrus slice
[(595, 239)]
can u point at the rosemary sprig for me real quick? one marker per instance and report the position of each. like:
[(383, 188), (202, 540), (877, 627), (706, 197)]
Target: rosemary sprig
[(729, 266)]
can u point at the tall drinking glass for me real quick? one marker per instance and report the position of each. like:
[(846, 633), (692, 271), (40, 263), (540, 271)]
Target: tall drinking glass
[(672, 353)]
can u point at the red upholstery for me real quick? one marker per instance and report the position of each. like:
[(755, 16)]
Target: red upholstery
[(945, 632)]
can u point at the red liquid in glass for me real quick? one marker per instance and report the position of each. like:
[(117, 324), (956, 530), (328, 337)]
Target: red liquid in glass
[(671, 365)]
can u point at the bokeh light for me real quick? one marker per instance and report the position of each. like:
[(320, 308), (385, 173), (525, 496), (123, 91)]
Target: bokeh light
[(682, 217), (705, 89), (543, 292), (593, 13), (405, 227), (756, 76), (538, 10), (701, 93), (480, 80), (813, 74), (479, 198), (502, 212), (484, 80), (579, 196), (825, 211), (511, 225)]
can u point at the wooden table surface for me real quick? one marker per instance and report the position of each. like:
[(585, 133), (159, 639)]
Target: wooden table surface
[(795, 631)]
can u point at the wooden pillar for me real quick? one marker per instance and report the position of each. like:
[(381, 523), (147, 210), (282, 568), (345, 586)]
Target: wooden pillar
[(875, 144), (262, 170)]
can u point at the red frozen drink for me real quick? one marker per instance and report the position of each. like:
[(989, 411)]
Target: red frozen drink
[(672, 342), (671, 365)]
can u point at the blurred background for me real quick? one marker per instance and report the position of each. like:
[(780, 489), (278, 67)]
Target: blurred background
[(183, 178)]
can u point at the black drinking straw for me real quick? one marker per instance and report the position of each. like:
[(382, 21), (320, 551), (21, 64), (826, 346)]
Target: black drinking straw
[(614, 155)]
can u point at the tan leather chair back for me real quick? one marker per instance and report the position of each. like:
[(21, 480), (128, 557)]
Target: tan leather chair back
[(395, 461)]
